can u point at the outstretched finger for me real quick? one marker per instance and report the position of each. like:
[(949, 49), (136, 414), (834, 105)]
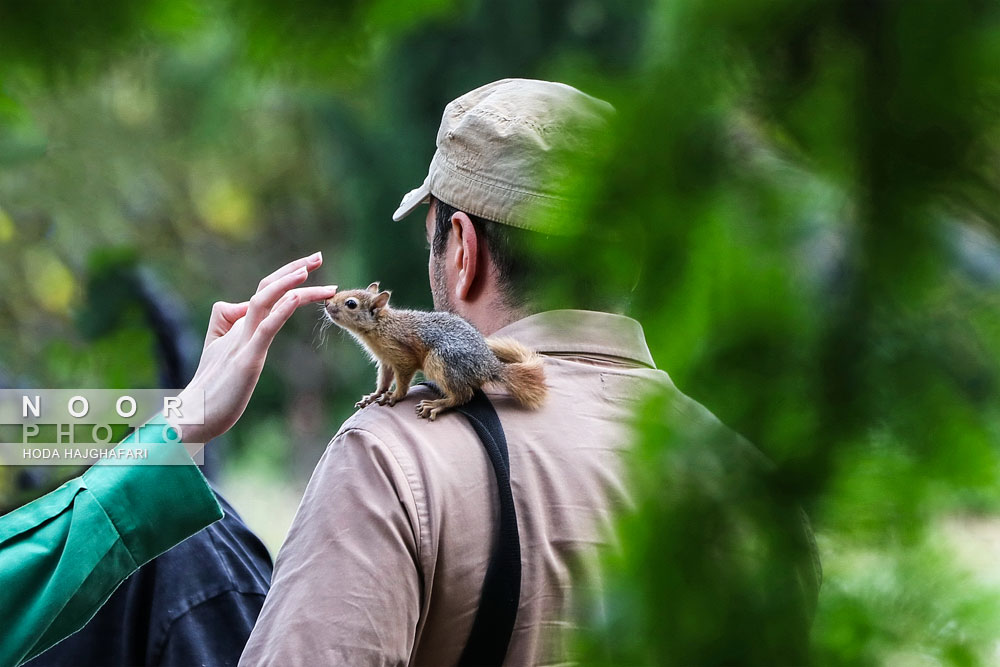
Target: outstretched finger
[(310, 263), (311, 294), (269, 328), (263, 301)]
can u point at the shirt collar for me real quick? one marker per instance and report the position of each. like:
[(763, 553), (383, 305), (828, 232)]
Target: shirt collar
[(582, 332)]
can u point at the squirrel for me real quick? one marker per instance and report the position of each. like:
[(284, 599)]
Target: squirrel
[(449, 350)]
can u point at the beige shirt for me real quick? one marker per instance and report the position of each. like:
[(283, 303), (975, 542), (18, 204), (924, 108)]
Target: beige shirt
[(385, 560)]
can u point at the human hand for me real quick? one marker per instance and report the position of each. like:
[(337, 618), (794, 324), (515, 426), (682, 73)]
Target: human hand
[(239, 335)]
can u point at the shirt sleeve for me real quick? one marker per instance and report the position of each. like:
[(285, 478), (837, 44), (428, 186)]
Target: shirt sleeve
[(346, 584), (62, 555)]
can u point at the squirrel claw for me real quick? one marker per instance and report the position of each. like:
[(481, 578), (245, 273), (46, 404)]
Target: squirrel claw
[(388, 399), (368, 400), (427, 410)]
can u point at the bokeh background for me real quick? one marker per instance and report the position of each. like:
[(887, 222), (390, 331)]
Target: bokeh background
[(810, 189)]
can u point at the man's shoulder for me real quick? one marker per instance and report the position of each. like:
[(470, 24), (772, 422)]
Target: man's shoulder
[(399, 430), (386, 422)]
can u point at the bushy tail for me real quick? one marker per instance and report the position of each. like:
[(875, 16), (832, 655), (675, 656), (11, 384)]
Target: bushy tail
[(522, 371)]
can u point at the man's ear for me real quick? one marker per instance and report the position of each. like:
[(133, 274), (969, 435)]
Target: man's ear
[(466, 254), (381, 301), (373, 287)]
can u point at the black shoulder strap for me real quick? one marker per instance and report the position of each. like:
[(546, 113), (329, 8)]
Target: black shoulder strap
[(494, 624)]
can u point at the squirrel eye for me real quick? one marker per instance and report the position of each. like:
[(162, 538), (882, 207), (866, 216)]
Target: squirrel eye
[(351, 304)]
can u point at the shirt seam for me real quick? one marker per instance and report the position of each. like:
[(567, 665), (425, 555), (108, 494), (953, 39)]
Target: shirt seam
[(134, 561), (536, 335), (33, 652), (608, 353), (410, 479), (18, 526)]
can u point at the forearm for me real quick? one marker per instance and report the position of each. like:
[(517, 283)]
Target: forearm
[(63, 555)]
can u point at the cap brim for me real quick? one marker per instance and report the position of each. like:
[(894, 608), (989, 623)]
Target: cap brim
[(412, 200)]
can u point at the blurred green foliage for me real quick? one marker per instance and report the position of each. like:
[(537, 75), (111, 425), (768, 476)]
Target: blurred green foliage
[(810, 190)]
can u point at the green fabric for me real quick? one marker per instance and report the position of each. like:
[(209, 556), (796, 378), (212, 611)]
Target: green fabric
[(64, 554)]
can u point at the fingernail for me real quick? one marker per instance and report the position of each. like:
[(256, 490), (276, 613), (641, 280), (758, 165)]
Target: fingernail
[(317, 257), (331, 288), (301, 272)]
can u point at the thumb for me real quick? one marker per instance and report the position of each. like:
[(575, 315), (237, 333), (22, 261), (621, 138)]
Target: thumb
[(224, 316)]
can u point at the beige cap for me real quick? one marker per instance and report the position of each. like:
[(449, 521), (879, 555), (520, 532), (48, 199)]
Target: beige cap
[(507, 151)]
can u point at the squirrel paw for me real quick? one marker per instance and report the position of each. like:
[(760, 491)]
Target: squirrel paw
[(427, 410), (368, 399)]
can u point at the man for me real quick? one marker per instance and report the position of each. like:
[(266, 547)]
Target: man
[(385, 560)]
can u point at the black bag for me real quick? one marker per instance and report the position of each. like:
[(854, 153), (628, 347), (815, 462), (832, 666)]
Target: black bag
[(494, 623)]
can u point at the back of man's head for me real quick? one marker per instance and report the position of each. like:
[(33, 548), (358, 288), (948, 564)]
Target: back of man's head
[(514, 155)]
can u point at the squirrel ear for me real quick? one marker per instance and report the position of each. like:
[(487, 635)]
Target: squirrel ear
[(373, 287), (381, 301)]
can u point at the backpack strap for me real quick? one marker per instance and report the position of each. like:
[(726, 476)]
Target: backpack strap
[(494, 622)]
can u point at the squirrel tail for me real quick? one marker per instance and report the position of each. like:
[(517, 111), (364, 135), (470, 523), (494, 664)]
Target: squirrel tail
[(521, 373)]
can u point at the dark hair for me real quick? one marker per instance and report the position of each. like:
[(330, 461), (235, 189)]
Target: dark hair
[(509, 248), (529, 265)]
